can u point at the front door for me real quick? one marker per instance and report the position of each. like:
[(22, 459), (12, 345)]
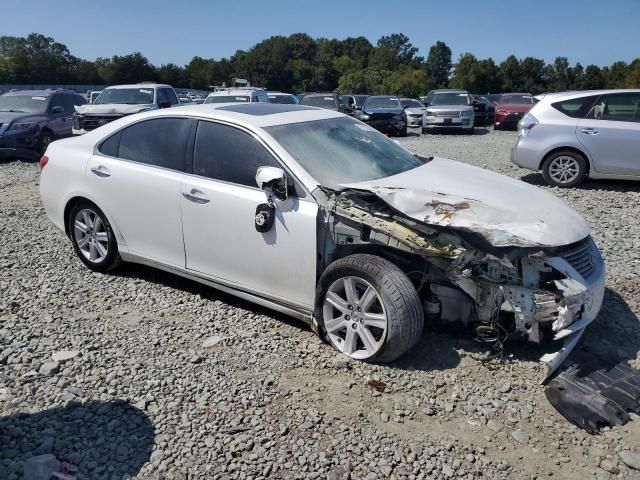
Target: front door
[(611, 134), (218, 214)]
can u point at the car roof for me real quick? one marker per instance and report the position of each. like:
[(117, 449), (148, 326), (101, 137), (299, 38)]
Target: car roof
[(235, 91), (139, 85), (445, 90), (38, 93), (245, 114), (583, 93)]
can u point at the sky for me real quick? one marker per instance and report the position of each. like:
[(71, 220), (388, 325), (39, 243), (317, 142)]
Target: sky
[(585, 31)]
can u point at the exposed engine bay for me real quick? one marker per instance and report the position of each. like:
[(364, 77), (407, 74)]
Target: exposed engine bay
[(501, 292)]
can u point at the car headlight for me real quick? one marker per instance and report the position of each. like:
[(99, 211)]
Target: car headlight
[(429, 114), (21, 126), (363, 116)]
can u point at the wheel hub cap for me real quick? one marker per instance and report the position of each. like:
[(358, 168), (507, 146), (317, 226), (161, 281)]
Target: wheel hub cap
[(354, 317), (564, 169), (90, 235)]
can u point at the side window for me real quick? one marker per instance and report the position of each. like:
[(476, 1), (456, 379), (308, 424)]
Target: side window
[(161, 96), (619, 107), (228, 154), (161, 142), (171, 96), (575, 107), (110, 145), (56, 101)]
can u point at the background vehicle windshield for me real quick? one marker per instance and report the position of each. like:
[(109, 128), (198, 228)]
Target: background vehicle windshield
[(284, 99), (412, 103), (450, 98), (227, 99), (126, 96), (516, 99), (23, 104), (382, 102), (342, 150), (319, 101)]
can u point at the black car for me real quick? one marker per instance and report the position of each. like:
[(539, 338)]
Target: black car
[(31, 119), (385, 114), (490, 109)]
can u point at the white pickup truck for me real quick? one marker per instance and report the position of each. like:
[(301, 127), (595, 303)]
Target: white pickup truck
[(122, 100)]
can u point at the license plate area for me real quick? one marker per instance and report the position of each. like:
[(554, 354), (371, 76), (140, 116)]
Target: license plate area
[(448, 121)]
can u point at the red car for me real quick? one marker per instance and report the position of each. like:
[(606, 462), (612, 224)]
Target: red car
[(510, 109)]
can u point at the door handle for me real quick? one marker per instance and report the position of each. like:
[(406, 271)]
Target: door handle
[(590, 131), (196, 196), (101, 171)]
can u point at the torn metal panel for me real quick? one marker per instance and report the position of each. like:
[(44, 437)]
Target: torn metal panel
[(592, 393), (504, 211)]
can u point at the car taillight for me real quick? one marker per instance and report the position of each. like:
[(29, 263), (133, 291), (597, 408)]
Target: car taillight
[(527, 123), (43, 162)]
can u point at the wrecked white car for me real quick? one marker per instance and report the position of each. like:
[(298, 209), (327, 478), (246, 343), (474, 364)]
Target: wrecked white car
[(317, 215)]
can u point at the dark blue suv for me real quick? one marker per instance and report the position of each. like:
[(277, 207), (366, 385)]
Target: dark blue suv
[(31, 119)]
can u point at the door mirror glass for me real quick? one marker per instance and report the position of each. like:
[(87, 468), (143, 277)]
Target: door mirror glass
[(274, 180), (57, 109)]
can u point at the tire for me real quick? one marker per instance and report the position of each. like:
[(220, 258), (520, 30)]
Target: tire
[(96, 240), (495, 127), (396, 300), (425, 131), (403, 132), (45, 139), (564, 169), (471, 131)]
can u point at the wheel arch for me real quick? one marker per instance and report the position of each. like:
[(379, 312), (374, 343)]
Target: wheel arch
[(73, 200), (573, 149)]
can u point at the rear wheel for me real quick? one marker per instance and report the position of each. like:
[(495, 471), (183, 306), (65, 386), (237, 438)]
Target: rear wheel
[(92, 237), (45, 139), (564, 169), (368, 309)]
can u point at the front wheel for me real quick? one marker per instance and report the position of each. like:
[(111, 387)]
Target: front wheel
[(45, 139), (403, 132), (368, 309), (564, 169), (92, 237)]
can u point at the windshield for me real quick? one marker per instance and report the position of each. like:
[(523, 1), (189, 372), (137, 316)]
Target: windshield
[(516, 99), (23, 104), (322, 101), (284, 99), (412, 103), (382, 102), (342, 150), (450, 98), (227, 99), (125, 96)]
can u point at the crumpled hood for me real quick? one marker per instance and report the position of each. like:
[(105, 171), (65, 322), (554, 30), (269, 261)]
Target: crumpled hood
[(112, 108), (8, 117), (505, 211)]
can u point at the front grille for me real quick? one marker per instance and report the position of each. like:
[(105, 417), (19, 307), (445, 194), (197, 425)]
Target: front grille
[(381, 116), (90, 122), (581, 257), (450, 113)]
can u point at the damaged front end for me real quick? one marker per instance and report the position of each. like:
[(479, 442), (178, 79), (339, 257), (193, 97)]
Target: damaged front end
[(531, 292)]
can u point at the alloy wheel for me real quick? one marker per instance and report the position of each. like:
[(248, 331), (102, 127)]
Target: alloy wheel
[(90, 235), (564, 169), (354, 317)]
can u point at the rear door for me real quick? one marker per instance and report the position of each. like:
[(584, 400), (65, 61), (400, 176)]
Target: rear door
[(218, 212), (611, 134), (136, 177)]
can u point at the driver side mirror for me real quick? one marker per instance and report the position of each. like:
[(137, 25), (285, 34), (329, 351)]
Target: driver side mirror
[(57, 109), (273, 180)]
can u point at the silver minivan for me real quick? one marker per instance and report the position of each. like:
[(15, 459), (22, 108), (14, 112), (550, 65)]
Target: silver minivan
[(570, 136)]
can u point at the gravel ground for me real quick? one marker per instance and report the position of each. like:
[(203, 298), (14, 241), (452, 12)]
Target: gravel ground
[(156, 377)]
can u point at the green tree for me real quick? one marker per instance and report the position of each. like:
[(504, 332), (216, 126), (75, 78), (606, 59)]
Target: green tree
[(533, 78), (632, 79), (614, 76), (593, 78), (439, 64), (510, 74)]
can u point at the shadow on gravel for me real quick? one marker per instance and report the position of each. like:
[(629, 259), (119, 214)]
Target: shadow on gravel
[(160, 277), (587, 185), (103, 439)]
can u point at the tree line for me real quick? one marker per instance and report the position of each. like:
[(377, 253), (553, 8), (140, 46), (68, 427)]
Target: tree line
[(299, 63)]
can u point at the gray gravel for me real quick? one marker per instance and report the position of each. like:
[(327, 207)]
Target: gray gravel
[(157, 377)]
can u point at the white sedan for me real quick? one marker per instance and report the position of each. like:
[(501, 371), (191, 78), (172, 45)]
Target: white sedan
[(317, 215)]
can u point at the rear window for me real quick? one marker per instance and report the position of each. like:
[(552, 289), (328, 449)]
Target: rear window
[(576, 107)]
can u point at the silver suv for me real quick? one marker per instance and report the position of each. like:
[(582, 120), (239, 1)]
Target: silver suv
[(570, 136), (448, 109)]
